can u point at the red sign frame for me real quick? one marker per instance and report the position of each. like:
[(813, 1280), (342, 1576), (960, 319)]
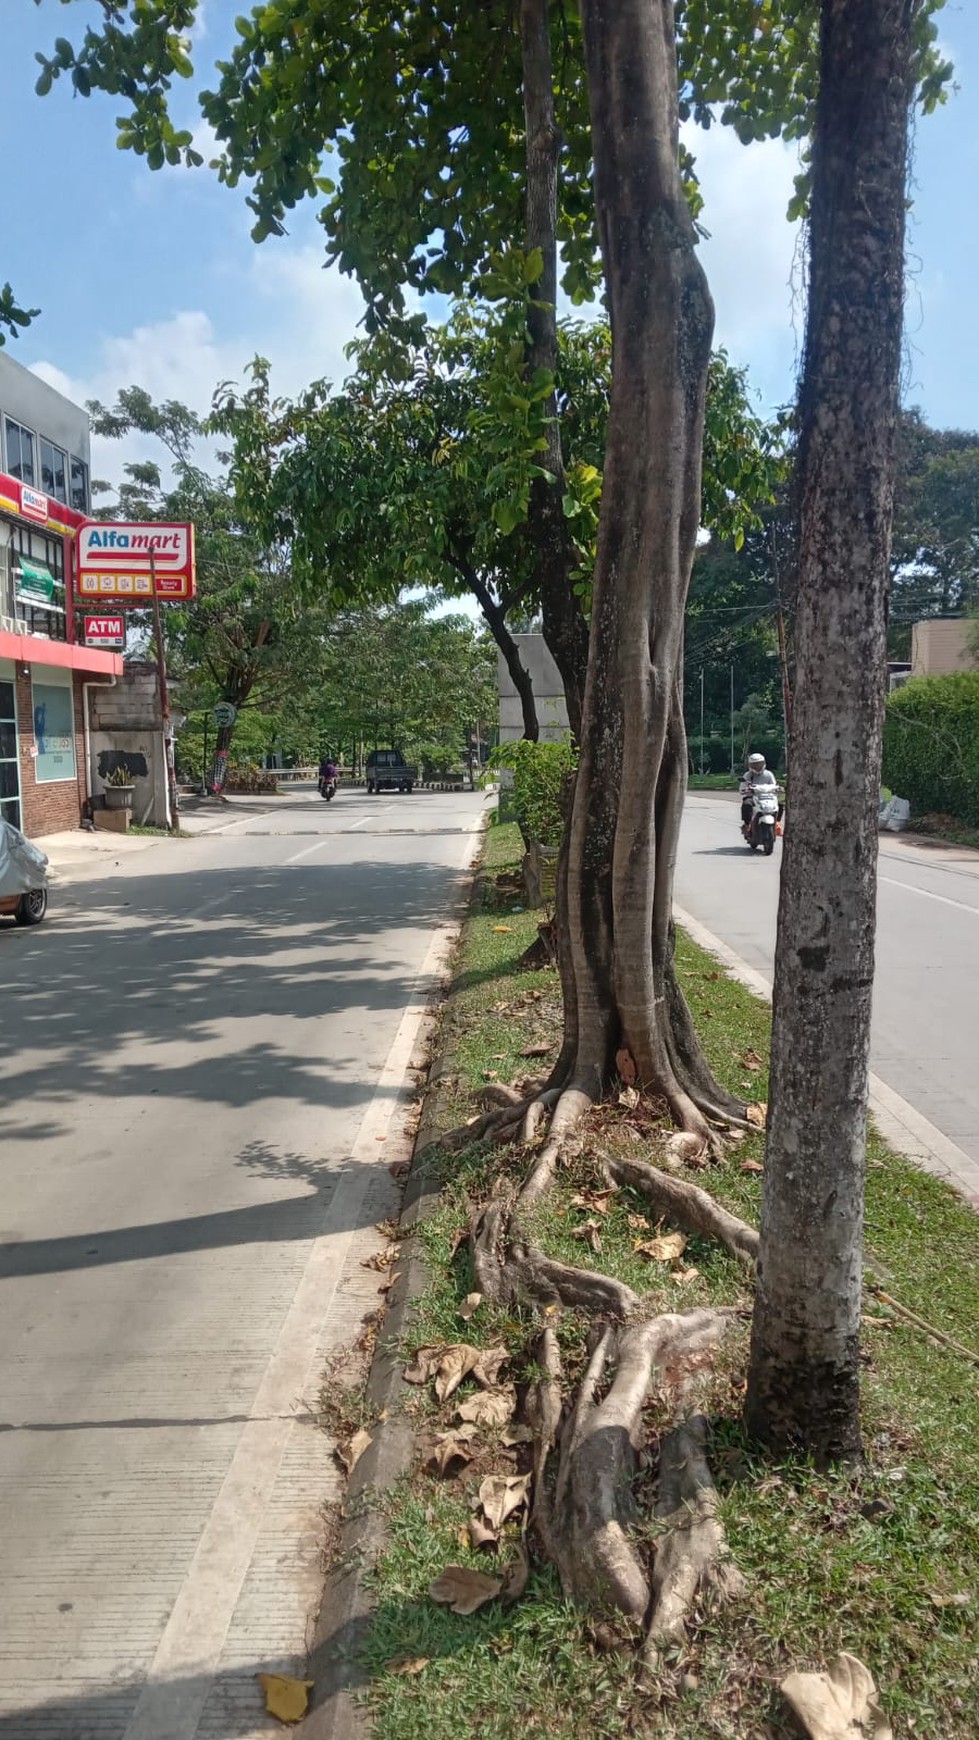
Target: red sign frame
[(122, 562)]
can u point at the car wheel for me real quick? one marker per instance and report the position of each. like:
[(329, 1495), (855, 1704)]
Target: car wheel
[(32, 907)]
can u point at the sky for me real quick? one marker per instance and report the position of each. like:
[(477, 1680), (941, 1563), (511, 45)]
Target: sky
[(153, 279)]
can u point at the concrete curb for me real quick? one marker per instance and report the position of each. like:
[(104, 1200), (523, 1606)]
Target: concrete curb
[(335, 1664)]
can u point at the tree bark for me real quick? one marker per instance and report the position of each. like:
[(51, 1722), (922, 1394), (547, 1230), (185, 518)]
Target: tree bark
[(495, 618), (618, 981), (565, 630), (803, 1383)]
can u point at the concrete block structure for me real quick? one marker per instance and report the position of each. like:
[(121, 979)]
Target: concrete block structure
[(940, 646), (552, 709)]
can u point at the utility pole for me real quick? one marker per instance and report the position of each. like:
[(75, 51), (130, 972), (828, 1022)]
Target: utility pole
[(161, 670), (733, 769), (701, 721)]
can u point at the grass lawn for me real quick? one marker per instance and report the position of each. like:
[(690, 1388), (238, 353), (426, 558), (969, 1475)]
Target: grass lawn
[(883, 1566)]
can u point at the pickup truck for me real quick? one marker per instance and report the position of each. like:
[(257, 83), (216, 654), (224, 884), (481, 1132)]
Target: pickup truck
[(387, 770)]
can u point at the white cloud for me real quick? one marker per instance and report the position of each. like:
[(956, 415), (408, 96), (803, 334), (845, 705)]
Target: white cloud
[(751, 256), (297, 315)]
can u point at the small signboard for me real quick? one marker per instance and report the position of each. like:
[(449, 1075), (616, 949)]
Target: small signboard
[(33, 503), (225, 713), (107, 631), (119, 560)]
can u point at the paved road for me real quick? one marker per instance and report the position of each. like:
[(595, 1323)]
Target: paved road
[(200, 1056), (926, 995)]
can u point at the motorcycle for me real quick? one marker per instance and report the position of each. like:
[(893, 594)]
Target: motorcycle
[(764, 824), (328, 789)]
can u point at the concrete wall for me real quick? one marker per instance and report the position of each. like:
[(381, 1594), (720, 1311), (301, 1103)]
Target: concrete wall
[(939, 647), (552, 711), (127, 729), (29, 400)]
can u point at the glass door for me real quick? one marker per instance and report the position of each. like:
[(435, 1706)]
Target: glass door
[(9, 758)]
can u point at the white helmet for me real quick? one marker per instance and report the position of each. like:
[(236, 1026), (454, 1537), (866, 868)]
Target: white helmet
[(756, 762)]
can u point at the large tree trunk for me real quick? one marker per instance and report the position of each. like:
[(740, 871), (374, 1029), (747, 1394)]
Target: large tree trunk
[(565, 630), (803, 1385), (618, 980)]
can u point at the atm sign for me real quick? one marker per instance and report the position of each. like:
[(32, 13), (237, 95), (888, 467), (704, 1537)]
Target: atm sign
[(105, 631)]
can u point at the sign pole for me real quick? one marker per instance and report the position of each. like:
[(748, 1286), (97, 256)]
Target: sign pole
[(161, 668)]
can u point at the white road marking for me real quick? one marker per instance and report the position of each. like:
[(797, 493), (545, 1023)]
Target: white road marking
[(186, 1659), (900, 1124), (307, 851), (926, 893), (365, 819)]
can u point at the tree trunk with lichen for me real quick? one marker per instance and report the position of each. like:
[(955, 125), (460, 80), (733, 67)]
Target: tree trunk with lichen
[(804, 1374)]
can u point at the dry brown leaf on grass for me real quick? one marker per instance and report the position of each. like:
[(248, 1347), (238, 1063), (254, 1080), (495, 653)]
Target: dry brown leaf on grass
[(463, 1590), (515, 1576), (450, 1455), (479, 1534), (286, 1699), (537, 1050), (684, 1276), (348, 1455), (470, 1303), (752, 1061), (685, 1146), (591, 1230), (501, 1495), (599, 1200), (503, 929), (757, 1114), (407, 1665), (449, 1365), (638, 1222), (840, 1704), (488, 1408), (752, 1166), (665, 1248), (629, 1098)]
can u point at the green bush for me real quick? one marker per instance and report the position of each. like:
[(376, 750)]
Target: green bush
[(539, 771), (931, 745)]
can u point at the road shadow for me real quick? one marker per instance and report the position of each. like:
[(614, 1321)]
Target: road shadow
[(210, 986)]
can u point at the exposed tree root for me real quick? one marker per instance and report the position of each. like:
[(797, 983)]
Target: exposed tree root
[(571, 1107), (685, 1205), (508, 1268), (584, 1523), (692, 1554)]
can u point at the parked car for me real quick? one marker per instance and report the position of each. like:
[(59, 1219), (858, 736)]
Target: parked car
[(387, 770), (23, 877)]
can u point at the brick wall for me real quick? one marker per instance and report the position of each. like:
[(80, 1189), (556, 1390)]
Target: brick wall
[(49, 807)]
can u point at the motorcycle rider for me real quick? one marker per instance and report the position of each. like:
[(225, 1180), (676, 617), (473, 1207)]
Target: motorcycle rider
[(328, 773), (755, 776)]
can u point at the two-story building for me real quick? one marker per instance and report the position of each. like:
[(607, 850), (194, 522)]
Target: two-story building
[(45, 483)]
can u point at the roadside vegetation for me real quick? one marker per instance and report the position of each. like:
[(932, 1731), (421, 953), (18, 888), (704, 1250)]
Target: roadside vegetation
[(879, 1563)]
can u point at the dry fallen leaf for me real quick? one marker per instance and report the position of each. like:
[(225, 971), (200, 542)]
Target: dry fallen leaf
[(629, 1098), (516, 1435), (752, 1061), (515, 1576), (599, 1200), (537, 1051), (407, 1664), (840, 1704), (463, 1590), (455, 1364), (486, 1371), (470, 1303), (450, 1454), (687, 1147), (488, 1408), (381, 1259), (638, 1222), (757, 1114), (501, 1495), (449, 1365), (503, 929), (686, 1275), (422, 1365), (626, 1066), (285, 1698), (664, 1248), (590, 1230), (959, 1599), (348, 1455), (752, 1166), (479, 1534)]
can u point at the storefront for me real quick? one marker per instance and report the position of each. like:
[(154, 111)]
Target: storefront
[(44, 674)]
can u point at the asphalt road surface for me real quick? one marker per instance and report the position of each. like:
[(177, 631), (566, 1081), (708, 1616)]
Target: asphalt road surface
[(201, 1054), (926, 990)]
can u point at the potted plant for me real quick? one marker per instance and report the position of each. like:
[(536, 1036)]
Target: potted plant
[(119, 788)]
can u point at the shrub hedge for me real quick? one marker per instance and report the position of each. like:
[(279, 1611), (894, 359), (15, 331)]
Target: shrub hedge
[(931, 745), (539, 771)]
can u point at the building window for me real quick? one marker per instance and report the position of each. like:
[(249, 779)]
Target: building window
[(20, 451), (9, 762), (54, 470), (38, 573), (54, 731), (79, 485)]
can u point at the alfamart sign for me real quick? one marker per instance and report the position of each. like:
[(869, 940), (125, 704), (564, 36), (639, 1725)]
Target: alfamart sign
[(126, 562)]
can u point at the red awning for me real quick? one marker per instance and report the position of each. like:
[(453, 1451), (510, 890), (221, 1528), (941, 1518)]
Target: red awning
[(33, 649)]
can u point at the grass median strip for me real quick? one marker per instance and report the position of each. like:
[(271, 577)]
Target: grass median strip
[(882, 1566)]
